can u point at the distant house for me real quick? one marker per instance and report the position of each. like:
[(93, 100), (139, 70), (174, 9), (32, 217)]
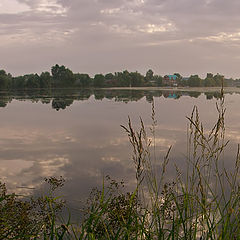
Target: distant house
[(170, 80)]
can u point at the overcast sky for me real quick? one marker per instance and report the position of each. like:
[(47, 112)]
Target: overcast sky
[(93, 36)]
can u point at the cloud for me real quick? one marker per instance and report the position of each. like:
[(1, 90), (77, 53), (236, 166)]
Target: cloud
[(149, 16), (12, 7), (62, 31), (222, 37), (110, 11), (48, 6), (51, 6), (153, 28)]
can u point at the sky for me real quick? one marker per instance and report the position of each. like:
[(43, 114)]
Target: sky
[(101, 36)]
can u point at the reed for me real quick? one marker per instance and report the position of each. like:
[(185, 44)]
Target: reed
[(203, 203)]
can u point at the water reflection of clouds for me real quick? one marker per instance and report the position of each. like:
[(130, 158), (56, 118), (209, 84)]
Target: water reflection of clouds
[(110, 159), (233, 136), (85, 141), (18, 173), (10, 169)]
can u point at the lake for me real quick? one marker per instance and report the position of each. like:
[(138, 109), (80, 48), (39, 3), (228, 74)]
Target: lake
[(76, 134)]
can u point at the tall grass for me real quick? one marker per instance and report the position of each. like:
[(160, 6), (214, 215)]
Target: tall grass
[(201, 203)]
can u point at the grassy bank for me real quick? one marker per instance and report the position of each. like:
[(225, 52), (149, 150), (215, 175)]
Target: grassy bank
[(201, 203)]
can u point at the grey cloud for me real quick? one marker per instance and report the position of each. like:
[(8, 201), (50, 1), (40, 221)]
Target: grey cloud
[(78, 32), (135, 16), (188, 15)]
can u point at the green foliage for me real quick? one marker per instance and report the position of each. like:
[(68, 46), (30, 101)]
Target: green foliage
[(194, 81), (98, 80), (82, 80), (33, 218), (45, 80), (204, 203), (27, 81), (109, 76), (17, 218), (136, 79), (62, 76), (123, 79), (209, 81), (179, 79), (158, 80), (5, 80), (218, 79), (213, 81), (19, 82), (110, 212), (32, 81), (149, 76), (126, 79)]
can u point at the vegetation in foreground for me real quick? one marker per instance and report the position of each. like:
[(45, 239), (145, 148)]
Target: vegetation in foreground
[(203, 203)]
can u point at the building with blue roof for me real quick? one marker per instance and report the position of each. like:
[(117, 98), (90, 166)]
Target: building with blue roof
[(170, 80)]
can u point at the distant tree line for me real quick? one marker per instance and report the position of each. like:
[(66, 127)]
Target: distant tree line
[(210, 81), (62, 77)]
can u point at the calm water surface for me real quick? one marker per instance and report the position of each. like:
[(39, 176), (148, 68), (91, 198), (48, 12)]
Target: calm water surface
[(77, 134)]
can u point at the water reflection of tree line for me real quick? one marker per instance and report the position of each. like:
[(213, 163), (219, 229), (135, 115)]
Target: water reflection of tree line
[(60, 99)]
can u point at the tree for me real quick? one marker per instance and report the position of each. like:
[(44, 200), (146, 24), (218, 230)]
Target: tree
[(126, 80), (218, 79), (109, 76), (158, 80), (62, 76), (194, 81), (98, 80), (136, 79), (32, 81), (209, 81), (45, 80), (149, 76), (110, 80), (5, 79), (83, 80), (179, 78), (123, 79), (19, 82)]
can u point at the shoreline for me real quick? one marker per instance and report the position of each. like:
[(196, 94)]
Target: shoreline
[(172, 89), (180, 89)]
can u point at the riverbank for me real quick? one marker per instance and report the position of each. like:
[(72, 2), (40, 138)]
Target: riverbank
[(180, 89)]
